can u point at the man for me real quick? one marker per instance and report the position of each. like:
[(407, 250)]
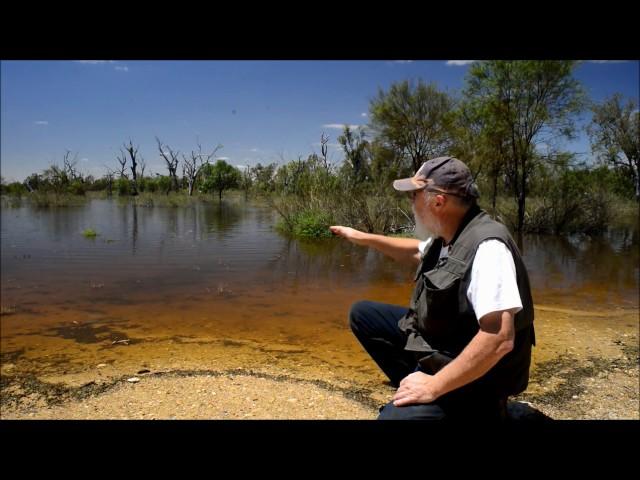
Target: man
[(464, 344)]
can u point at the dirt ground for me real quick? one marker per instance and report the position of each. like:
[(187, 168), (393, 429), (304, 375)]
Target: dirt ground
[(580, 370)]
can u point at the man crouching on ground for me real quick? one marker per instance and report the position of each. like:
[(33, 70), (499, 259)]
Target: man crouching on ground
[(464, 344)]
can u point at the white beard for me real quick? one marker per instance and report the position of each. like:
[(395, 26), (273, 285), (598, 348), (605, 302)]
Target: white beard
[(421, 232)]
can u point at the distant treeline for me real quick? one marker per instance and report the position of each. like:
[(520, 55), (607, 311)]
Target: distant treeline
[(506, 124)]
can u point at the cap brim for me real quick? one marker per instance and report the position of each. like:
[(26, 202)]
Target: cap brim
[(408, 184)]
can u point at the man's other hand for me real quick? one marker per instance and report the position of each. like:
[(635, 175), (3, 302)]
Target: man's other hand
[(417, 387)]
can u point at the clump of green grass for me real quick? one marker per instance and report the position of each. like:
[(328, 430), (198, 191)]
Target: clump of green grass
[(307, 223), (90, 233)]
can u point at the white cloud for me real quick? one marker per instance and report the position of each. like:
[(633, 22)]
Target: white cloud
[(122, 68), (223, 158), (256, 150), (403, 61), (41, 122), (339, 126), (364, 114), (607, 61), (459, 63), (84, 159)]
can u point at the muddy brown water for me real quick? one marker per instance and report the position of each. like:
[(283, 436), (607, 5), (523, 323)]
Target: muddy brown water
[(215, 287)]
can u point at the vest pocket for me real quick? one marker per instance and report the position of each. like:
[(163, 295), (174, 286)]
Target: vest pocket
[(438, 303)]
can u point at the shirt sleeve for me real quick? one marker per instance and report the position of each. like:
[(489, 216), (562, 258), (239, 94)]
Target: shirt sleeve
[(493, 286)]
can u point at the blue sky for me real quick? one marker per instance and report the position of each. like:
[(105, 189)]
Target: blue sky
[(260, 111)]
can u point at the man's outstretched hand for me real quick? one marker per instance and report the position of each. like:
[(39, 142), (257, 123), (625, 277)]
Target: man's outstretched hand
[(351, 234)]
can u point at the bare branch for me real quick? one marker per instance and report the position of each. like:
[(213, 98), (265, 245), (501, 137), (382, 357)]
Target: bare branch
[(133, 152), (122, 160)]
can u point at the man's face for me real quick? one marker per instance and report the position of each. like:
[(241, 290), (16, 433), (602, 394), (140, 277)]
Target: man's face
[(427, 225)]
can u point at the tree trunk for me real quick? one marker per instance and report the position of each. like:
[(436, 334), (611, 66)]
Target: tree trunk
[(495, 194), (520, 212), (174, 180), (522, 196)]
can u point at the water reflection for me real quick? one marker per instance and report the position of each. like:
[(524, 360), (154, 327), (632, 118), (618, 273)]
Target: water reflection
[(601, 269), (162, 252), (220, 218), (134, 229), (333, 262)]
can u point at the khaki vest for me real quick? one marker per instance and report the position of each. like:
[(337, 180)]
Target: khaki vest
[(442, 320)]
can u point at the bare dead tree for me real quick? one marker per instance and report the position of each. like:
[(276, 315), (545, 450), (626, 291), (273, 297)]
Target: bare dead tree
[(122, 160), (133, 155), (109, 175), (57, 177), (171, 158), (70, 165), (324, 139), (193, 166), (143, 165), (189, 169)]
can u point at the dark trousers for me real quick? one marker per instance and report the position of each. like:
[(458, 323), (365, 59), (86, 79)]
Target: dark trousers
[(375, 325)]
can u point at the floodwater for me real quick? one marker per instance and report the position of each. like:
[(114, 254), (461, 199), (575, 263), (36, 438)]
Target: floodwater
[(215, 286)]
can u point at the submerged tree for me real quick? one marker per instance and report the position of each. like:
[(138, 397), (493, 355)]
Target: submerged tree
[(220, 177), (193, 165), (263, 177), (133, 156), (171, 158)]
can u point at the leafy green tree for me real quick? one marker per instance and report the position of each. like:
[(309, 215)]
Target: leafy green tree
[(219, 177), (123, 186), (413, 120), (356, 150), (35, 182), (13, 188), (56, 179), (165, 183), (246, 182), (263, 177), (526, 103), (615, 136), (292, 178), (386, 165), (480, 145)]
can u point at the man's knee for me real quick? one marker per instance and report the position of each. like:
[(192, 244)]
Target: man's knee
[(412, 412), (357, 314)]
